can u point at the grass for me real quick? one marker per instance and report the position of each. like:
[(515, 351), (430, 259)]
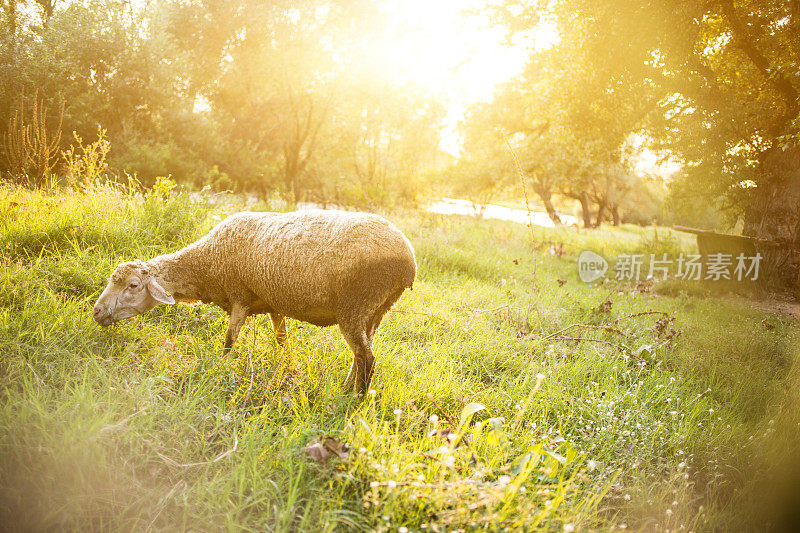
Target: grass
[(679, 420)]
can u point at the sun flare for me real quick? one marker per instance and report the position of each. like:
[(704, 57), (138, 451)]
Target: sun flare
[(452, 49)]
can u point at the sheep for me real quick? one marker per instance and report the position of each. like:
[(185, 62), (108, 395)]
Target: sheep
[(318, 266)]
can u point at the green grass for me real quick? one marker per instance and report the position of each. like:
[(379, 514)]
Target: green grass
[(666, 426)]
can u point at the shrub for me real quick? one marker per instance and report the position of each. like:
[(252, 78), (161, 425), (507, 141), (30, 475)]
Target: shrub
[(86, 164)]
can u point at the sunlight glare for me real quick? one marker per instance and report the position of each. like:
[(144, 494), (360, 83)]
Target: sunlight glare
[(453, 51)]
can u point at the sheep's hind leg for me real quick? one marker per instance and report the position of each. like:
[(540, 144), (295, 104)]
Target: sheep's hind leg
[(363, 359), (372, 327), (370, 330), (238, 316), (281, 335), (279, 325), (350, 380)]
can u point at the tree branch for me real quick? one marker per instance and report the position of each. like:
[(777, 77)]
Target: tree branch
[(745, 43)]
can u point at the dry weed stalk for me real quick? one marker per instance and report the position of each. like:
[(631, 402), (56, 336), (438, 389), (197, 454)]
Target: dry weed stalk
[(31, 149)]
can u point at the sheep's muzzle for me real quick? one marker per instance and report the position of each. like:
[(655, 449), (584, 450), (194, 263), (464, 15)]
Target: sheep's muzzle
[(102, 315)]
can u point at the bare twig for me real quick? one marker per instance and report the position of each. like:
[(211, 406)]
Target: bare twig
[(122, 423), (613, 289), (445, 414), (216, 459), (38, 379), (280, 363), (621, 347), (478, 310), (604, 327), (422, 485), (644, 313), (420, 313), (521, 175), (164, 499)]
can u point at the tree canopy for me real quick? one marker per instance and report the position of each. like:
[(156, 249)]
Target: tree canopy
[(286, 98), (711, 84), (259, 96)]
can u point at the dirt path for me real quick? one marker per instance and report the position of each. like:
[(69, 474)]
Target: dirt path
[(778, 307), (778, 304)]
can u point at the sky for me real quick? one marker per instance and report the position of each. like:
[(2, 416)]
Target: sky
[(455, 52)]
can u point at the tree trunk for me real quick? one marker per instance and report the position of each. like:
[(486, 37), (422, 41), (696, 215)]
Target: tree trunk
[(601, 211), (615, 215), (551, 211), (10, 8), (291, 170), (290, 181), (546, 196), (586, 212), (48, 6), (773, 214)]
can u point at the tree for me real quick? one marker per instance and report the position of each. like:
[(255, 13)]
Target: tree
[(383, 135), (273, 75), (722, 85), (570, 127)]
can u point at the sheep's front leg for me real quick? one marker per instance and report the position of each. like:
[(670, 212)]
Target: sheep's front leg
[(238, 316)]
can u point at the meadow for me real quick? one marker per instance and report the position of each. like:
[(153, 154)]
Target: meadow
[(508, 395)]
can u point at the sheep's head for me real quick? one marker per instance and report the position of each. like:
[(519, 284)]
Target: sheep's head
[(131, 291)]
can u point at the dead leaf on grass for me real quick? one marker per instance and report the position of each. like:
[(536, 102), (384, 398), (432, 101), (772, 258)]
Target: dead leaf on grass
[(322, 449), (446, 434), (603, 308)]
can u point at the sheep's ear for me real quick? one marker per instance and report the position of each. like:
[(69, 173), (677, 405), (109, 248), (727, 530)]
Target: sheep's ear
[(158, 292)]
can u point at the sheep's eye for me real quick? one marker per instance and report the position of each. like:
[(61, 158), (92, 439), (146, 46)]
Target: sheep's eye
[(133, 284)]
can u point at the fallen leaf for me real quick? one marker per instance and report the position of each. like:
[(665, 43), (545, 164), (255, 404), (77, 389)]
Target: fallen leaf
[(603, 308), (444, 434), (318, 453), (326, 447), (450, 436), (337, 447)]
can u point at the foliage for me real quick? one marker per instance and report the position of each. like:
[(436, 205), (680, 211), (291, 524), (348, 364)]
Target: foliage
[(713, 85), (254, 96), (481, 174), (163, 187), (570, 129)]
